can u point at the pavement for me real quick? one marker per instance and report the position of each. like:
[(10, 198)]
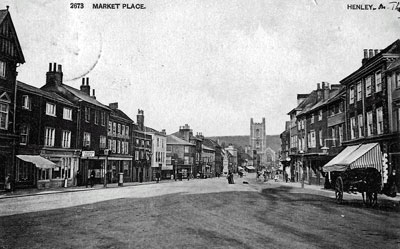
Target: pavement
[(33, 191)]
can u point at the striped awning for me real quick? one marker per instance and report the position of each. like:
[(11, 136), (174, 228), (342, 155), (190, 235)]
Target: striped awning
[(39, 161), (356, 156)]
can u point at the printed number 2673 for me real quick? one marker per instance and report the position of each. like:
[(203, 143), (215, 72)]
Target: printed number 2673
[(76, 5)]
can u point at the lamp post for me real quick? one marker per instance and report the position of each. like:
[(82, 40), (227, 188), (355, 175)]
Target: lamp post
[(106, 152)]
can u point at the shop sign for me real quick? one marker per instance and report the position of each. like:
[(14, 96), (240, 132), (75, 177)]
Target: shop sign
[(87, 154)]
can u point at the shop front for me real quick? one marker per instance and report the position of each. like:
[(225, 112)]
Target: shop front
[(90, 162), (167, 171), (117, 166), (33, 171)]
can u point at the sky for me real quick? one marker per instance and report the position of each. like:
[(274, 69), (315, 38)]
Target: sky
[(210, 64)]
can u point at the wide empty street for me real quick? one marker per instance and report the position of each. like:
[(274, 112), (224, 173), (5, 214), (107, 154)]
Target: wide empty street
[(206, 213)]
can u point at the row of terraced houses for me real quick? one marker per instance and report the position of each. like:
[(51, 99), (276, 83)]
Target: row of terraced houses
[(363, 110), (57, 135)]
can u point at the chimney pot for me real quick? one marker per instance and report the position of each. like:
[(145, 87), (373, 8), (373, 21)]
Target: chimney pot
[(376, 51), (87, 81), (59, 68), (50, 67), (371, 53), (83, 81), (365, 53), (54, 66), (94, 92), (318, 86)]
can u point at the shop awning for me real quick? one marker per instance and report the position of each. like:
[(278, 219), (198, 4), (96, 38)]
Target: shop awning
[(356, 156), (250, 167), (39, 161)]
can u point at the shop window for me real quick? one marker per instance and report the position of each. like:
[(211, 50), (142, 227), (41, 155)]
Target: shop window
[(43, 174)]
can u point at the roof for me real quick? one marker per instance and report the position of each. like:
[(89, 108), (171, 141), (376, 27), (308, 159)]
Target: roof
[(173, 140), (307, 104), (120, 114), (3, 15), (83, 96), (177, 134), (392, 49), (151, 130), (321, 103), (206, 147), (38, 91)]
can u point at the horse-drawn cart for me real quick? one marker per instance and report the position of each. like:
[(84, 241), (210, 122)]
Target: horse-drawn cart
[(357, 168)]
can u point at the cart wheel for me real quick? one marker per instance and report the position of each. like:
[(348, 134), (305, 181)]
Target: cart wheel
[(339, 190)]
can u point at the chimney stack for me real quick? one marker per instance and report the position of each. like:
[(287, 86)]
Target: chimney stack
[(325, 90), (54, 77), (85, 87), (113, 106), (140, 120)]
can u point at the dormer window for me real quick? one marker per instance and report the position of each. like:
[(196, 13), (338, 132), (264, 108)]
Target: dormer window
[(2, 69)]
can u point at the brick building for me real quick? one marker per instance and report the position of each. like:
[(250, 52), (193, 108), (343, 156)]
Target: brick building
[(142, 145), (92, 128), (119, 147), (180, 155), (47, 155)]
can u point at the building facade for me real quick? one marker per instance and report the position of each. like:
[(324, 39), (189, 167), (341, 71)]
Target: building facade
[(11, 57), (142, 145)]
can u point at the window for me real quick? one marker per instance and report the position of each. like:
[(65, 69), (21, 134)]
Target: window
[(86, 139), (312, 118), (186, 160), (379, 120), (142, 143), (123, 130), (67, 113), (351, 95), (66, 139), (49, 136), (103, 142), (96, 117), (340, 134), (102, 118), (2, 69), (313, 142), (109, 127), (398, 80), (87, 114), (109, 144), (368, 86), (369, 124), (51, 109), (136, 155), (320, 115), (118, 146), (359, 91), (3, 116), (127, 131), (26, 102), (137, 142), (186, 149), (360, 126), (119, 129), (24, 134), (341, 107), (114, 146), (114, 128), (352, 127), (378, 81), (321, 143)]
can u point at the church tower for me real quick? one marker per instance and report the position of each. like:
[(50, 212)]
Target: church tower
[(257, 136)]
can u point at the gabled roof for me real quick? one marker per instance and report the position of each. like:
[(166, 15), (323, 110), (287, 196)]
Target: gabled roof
[(173, 140), (306, 104), (50, 95), (83, 96), (151, 130), (4, 14), (395, 64), (333, 94)]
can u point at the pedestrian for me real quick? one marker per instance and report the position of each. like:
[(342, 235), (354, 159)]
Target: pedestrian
[(229, 177), (158, 176), (140, 176), (92, 176), (7, 185), (232, 181)]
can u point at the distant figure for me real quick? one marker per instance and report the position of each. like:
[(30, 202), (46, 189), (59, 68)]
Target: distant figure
[(92, 176), (140, 176), (230, 178), (158, 176), (276, 177), (7, 184)]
